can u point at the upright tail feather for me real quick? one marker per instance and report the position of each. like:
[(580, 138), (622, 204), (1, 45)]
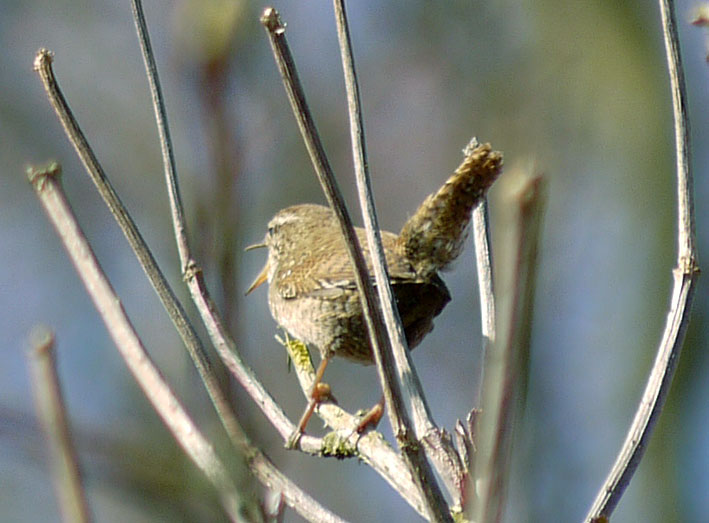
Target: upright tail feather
[(433, 237)]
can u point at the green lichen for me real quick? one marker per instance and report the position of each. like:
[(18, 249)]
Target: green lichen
[(298, 352), (459, 517), (336, 446)]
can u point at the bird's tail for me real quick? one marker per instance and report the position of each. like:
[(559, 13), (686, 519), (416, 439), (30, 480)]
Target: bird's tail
[(433, 237)]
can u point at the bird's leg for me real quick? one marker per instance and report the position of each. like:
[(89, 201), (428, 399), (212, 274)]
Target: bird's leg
[(318, 393), (371, 417)]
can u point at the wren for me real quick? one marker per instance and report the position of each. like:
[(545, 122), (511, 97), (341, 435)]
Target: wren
[(312, 292)]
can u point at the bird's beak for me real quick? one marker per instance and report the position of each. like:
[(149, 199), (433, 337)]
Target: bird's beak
[(262, 277), (256, 246)]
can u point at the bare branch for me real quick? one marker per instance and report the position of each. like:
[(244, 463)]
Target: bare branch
[(506, 362), (276, 32), (54, 420), (192, 272), (397, 339), (685, 276), (108, 304), (395, 330)]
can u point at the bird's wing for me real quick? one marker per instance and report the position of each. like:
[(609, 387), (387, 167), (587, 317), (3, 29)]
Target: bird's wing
[(326, 272)]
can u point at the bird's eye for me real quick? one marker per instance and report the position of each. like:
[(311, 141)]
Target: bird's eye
[(271, 230)]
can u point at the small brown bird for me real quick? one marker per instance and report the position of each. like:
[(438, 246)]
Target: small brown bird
[(312, 292)]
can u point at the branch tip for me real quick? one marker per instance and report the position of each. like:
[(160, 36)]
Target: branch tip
[(271, 20), (43, 59), (38, 174), (41, 341)]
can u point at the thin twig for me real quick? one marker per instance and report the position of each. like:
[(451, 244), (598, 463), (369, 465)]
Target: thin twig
[(191, 271), (685, 276), (397, 339), (176, 207), (372, 449), (408, 389), (483, 262), (53, 418), (483, 259), (276, 31), (108, 304), (506, 362), (260, 464)]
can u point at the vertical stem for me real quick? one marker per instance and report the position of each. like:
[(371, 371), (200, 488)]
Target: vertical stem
[(686, 241), (685, 276)]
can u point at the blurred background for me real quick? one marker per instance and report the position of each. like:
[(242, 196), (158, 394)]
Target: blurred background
[(575, 90)]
